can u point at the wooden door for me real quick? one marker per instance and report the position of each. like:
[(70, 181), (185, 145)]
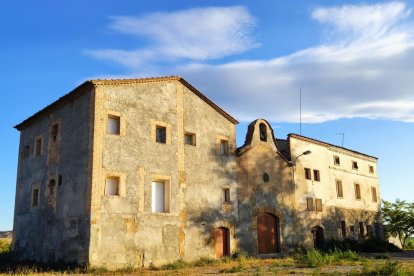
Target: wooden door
[(267, 234), (222, 238)]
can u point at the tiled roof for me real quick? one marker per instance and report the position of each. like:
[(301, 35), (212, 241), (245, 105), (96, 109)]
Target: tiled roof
[(90, 84)]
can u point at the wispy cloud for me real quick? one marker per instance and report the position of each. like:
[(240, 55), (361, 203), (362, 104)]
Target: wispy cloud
[(363, 68), (194, 34)]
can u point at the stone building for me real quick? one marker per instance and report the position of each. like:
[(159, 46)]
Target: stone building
[(146, 171)]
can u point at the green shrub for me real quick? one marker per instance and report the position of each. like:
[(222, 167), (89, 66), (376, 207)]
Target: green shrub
[(205, 261), (388, 268), (316, 258)]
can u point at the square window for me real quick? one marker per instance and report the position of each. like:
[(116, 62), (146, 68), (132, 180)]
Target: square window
[(190, 139), (226, 195), (112, 186), (371, 169), (318, 203), (354, 165), (337, 161), (55, 132), (160, 197), (26, 151), (308, 175), (339, 190), (161, 134), (35, 197), (113, 125), (316, 175), (309, 204), (224, 147), (38, 147), (357, 191)]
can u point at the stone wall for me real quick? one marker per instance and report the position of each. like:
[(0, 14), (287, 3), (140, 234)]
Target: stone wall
[(57, 228), (124, 230)]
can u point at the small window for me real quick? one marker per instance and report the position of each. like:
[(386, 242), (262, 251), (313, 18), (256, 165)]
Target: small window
[(361, 229), (337, 161), (190, 139), (343, 229), (224, 147), (371, 169), (318, 204), (55, 132), (35, 197), (308, 174), (60, 180), (354, 165), (316, 175), (374, 194), (26, 151), (161, 134), (38, 147), (160, 197), (112, 186), (352, 230), (309, 203), (113, 125), (357, 191), (226, 195), (369, 230), (339, 190), (266, 177), (263, 132)]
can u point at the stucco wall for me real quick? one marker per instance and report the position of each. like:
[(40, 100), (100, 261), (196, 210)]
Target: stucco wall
[(58, 229)]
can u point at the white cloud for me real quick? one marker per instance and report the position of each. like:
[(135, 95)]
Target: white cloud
[(364, 68), (194, 34)]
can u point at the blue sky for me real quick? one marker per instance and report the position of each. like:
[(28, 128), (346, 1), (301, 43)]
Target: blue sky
[(353, 61)]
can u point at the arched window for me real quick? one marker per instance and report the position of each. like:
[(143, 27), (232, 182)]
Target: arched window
[(263, 132)]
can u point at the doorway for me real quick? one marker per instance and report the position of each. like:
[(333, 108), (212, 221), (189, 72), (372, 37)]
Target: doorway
[(267, 234), (222, 238)]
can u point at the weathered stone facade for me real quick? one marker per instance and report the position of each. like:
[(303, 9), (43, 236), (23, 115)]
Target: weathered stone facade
[(146, 171)]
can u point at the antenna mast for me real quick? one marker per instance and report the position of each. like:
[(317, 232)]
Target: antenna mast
[(343, 137), (300, 111)]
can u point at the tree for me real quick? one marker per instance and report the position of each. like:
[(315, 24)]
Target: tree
[(398, 219)]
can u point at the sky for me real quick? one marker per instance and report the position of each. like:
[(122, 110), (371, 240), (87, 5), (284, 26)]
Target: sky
[(352, 60)]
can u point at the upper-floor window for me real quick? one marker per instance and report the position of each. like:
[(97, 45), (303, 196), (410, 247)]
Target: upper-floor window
[(190, 139), (38, 147), (339, 190), (357, 191), (224, 147), (54, 133), (318, 204), (35, 197), (371, 169), (263, 132), (309, 204), (308, 175), (374, 194), (316, 175), (113, 125), (225, 197), (161, 134), (26, 151), (337, 161), (354, 165), (112, 186)]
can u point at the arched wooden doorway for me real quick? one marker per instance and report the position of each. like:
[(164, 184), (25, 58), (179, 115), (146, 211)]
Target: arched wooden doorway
[(222, 238), (267, 234), (318, 237)]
